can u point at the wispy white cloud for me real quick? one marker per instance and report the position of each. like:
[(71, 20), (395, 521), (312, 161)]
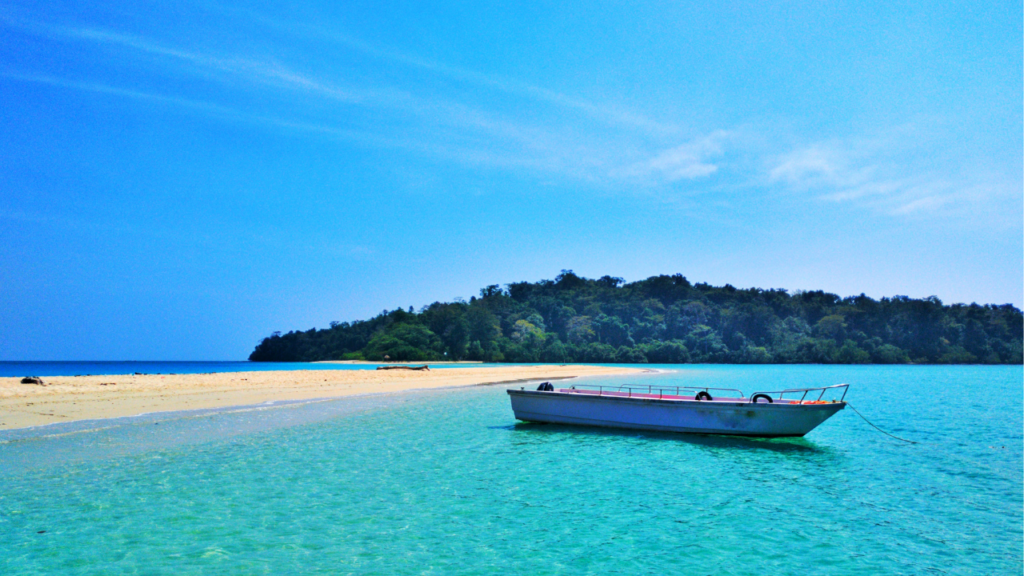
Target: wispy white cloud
[(603, 112), (445, 128), (432, 148), (927, 203), (687, 161), (99, 88), (818, 165), (629, 148), (267, 72), (878, 174)]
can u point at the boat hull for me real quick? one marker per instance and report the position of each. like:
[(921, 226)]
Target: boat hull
[(689, 416)]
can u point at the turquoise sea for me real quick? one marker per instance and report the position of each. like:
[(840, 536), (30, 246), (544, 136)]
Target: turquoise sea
[(447, 482)]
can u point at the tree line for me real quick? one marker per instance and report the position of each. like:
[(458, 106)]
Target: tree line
[(666, 320)]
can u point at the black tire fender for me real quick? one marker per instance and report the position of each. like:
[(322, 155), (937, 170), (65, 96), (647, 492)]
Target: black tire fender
[(703, 395), (754, 399)]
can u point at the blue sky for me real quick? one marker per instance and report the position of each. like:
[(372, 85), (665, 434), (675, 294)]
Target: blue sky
[(181, 179)]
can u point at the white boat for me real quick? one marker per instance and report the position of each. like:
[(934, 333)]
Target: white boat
[(682, 409)]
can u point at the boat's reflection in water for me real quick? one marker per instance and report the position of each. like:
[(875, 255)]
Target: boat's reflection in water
[(714, 441)]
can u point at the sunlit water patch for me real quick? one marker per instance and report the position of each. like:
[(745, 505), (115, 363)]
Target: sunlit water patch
[(447, 482)]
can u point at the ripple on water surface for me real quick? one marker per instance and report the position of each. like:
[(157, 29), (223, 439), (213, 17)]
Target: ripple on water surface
[(447, 482)]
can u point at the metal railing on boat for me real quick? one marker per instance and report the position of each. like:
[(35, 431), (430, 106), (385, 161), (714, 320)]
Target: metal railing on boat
[(805, 392), (659, 392), (678, 392)]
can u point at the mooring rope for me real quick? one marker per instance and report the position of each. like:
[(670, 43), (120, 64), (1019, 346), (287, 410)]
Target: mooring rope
[(879, 429)]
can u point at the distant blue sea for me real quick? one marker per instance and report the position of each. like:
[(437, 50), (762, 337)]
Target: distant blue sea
[(169, 367), (447, 482)]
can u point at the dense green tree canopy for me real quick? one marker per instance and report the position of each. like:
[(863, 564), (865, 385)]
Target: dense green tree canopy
[(667, 320)]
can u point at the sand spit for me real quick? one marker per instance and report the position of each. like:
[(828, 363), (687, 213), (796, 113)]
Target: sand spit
[(70, 398), (399, 362)]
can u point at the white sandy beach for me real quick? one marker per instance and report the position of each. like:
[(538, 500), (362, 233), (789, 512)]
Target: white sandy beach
[(70, 398)]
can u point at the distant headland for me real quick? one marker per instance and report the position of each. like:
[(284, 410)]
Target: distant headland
[(666, 320)]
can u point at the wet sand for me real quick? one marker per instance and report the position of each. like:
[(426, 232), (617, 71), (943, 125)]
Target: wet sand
[(70, 398)]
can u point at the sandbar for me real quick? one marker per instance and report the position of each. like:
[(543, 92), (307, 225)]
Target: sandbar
[(70, 398)]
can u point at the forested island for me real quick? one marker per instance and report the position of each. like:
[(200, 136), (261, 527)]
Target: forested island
[(666, 320)]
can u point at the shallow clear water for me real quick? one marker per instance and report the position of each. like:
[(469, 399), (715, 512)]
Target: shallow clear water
[(447, 482)]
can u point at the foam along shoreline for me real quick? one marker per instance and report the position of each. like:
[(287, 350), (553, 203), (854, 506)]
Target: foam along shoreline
[(73, 398)]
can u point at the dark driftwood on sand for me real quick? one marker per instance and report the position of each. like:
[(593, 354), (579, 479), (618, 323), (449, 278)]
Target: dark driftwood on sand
[(424, 367)]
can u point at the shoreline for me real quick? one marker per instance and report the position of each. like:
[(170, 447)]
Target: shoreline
[(402, 362), (74, 398), (191, 412)]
